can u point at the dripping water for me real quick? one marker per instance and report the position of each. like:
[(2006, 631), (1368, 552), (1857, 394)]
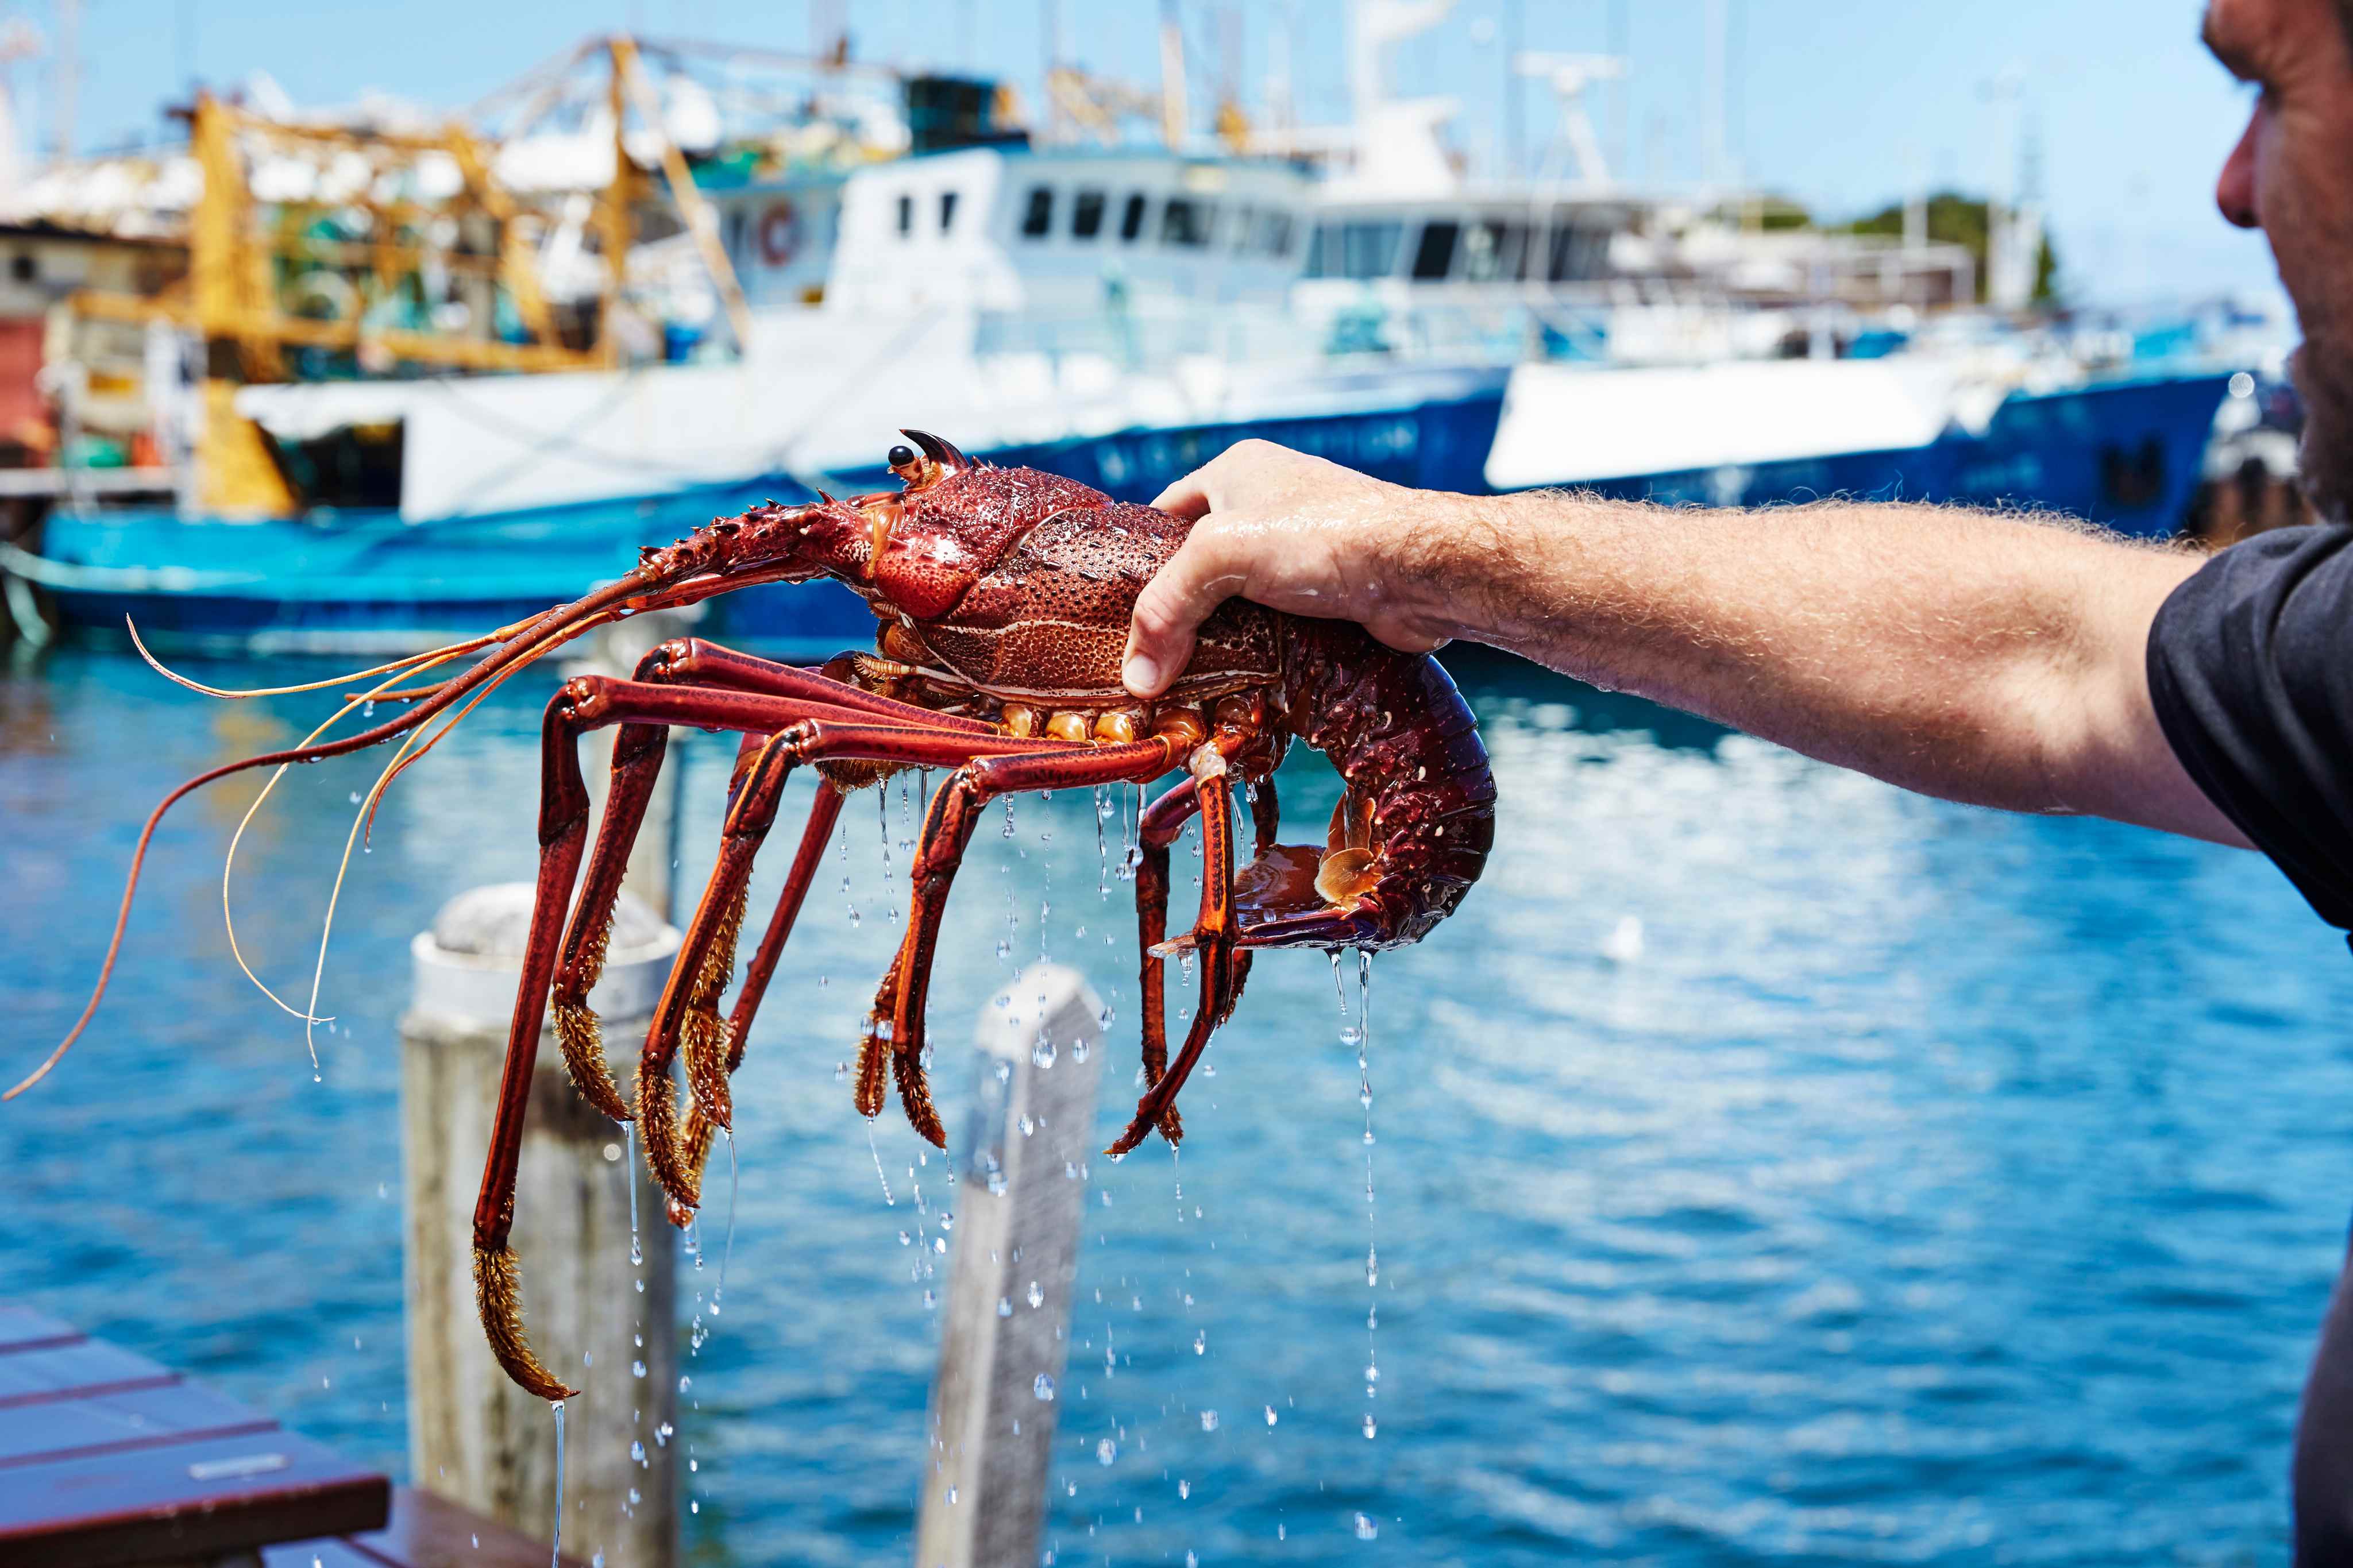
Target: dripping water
[(556, 1547), (629, 1164), (1358, 1034), (882, 817), (847, 901), (1005, 875), (1102, 848), (888, 1201), (727, 1245)]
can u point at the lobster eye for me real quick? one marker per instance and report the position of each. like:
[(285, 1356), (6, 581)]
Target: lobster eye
[(900, 459)]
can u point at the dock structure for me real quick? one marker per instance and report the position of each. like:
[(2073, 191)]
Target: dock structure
[(598, 1260), (109, 1459), (1004, 1334)]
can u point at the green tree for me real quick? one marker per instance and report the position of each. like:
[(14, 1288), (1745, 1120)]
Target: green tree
[(1957, 219)]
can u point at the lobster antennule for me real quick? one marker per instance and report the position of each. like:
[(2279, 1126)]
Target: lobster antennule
[(529, 640)]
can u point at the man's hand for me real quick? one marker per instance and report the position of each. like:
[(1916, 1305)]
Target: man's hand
[(1294, 533), (1980, 657)]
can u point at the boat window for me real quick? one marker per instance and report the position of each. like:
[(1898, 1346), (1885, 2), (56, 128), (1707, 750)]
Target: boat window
[(1578, 253), (1087, 215), (1130, 222), (1038, 218), (1434, 257), (906, 215), (1184, 221), (1483, 252), (1322, 251), (1516, 250), (947, 209), (1274, 233), (1367, 249), (1243, 219)]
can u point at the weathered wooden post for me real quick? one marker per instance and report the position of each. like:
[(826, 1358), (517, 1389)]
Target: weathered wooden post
[(1004, 1336), (595, 1313)]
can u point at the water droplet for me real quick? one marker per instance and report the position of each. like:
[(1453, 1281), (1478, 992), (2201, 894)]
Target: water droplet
[(1200, 1341), (1106, 1451), (1044, 1388), (1270, 1416), (637, 1450), (1185, 1490), (1037, 1294), (637, 1369), (1044, 1054), (1372, 1374), (904, 1238), (939, 1244), (1004, 1306), (684, 1383), (1366, 1527), (1369, 1427), (1208, 1420)]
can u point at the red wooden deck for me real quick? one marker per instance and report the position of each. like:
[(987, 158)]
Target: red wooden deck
[(107, 1458)]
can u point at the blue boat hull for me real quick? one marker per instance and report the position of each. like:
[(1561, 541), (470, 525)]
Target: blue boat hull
[(2124, 454), (372, 583)]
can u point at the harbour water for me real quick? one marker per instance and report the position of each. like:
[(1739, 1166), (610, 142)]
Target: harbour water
[(1771, 1167)]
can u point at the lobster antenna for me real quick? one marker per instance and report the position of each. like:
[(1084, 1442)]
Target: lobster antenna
[(364, 818), (427, 660), (545, 630), (228, 862)]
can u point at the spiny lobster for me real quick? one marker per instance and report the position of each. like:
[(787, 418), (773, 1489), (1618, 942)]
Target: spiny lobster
[(1004, 596)]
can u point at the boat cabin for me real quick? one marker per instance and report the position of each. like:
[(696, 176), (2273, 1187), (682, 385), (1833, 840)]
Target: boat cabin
[(1007, 229)]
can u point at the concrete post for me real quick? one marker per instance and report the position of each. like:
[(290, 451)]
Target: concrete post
[(592, 1313), (1004, 1334)]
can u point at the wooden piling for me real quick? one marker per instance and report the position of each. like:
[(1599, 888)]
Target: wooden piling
[(593, 1314), (1004, 1333)]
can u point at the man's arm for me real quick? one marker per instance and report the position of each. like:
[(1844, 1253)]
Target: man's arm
[(1977, 657)]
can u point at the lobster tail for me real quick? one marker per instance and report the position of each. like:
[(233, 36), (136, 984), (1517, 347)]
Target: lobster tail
[(1413, 829)]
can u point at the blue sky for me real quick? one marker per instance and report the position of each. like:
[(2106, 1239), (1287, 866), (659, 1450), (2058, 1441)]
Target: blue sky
[(1837, 103)]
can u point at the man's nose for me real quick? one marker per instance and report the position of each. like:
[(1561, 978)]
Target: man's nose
[(2234, 191)]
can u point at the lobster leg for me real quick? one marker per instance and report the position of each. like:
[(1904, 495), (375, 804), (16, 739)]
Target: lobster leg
[(897, 1022), (1212, 937), (700, 971), (1156, 830), (698, 1128), (594, 702), (637, 755), (563, 832)]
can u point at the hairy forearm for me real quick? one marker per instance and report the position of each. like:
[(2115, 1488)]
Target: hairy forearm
[(1978, 656)]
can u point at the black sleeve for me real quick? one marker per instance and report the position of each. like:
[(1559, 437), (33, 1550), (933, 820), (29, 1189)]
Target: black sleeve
[(2251, 669)]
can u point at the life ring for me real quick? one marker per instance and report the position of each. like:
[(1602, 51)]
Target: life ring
[(779, 234)]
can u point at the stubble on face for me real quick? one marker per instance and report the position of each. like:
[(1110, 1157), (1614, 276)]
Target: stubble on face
[(2325, 456)]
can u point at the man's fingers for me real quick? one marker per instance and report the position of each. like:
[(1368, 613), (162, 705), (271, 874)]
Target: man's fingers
[(1196, 581), (1188, 497)]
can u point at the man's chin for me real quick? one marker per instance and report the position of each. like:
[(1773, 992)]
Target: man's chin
[(2325, 453)]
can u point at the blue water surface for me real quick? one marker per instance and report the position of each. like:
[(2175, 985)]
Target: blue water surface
[(1771, 1167)]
